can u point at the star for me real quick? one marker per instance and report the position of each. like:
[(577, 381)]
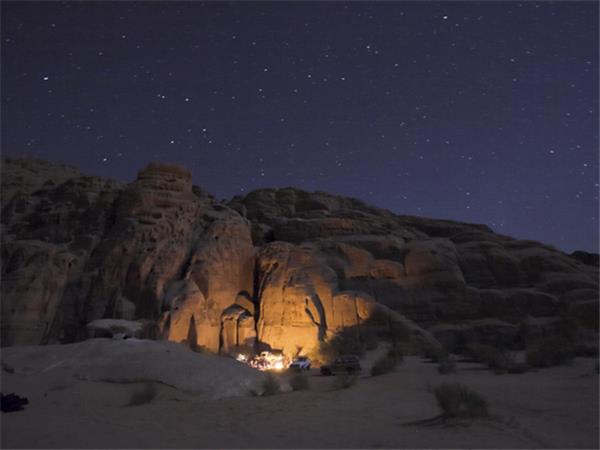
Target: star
[(380, 98)]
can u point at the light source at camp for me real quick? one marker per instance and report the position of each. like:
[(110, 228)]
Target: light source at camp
[(265, 361)]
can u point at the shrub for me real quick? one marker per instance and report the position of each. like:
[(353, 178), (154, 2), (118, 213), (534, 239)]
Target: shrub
[(345, 342), (397, 352), (497, 359), (344, 380), (386, 363), (518, 368), (457, 400), (435, 354), (586, 350), (502, 361), (142, 394), (299, 381), (551, 352), (481, 353), (7, 368), (270, 385), (447, 366)]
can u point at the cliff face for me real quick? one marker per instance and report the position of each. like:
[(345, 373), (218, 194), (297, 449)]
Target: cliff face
[(281, 268)]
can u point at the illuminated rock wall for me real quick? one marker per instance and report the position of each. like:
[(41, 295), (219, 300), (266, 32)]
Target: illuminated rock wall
[(277, 268)]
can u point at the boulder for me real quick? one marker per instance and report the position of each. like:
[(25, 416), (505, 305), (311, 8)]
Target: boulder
[(386, 269), (433, 261), (134, 360), (488, 264), (347, 260), (121, 329)]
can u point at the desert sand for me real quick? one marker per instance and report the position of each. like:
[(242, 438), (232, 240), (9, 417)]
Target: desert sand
[(203, 402)]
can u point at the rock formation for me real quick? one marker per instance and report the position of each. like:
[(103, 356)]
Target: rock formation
[(277, 268)]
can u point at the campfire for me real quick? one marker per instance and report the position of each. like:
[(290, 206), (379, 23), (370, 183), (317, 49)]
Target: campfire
[(265, 361)]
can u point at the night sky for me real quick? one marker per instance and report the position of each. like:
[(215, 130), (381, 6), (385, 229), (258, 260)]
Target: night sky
[(482, 112)]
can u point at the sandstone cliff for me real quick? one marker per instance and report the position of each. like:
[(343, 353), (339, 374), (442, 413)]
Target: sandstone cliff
[(278, 268)]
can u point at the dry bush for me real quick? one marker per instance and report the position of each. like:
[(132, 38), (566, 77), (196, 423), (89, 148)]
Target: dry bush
[(480, 352), (435, 353), (270, 385), (457, 400), (586, 350), (497, 359), (345, 342), (551, 352), (344, 380), (299, 381), (387, 363), (141, 395), (447, 366)]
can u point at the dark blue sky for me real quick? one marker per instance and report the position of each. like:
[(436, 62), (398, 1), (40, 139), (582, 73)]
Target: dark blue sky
[(475, 111)]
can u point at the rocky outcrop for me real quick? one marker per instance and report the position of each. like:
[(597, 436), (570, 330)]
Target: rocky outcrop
[(432, 271), (52, 219), (79, 249), (590, 259), (23, 177), (35, 278), (457, 337), (156, 221), (301, 302), (121, 329), (221, 265), (279, 268), (294, 290)]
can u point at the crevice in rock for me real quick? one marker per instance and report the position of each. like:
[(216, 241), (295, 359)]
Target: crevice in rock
[(256, 291), (322, 322), (192, 337)]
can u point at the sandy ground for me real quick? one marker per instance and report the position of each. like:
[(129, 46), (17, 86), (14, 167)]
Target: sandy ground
[(551, 408)]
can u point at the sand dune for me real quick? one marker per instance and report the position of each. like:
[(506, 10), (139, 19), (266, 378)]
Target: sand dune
[(137, 360), (551, 408)]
